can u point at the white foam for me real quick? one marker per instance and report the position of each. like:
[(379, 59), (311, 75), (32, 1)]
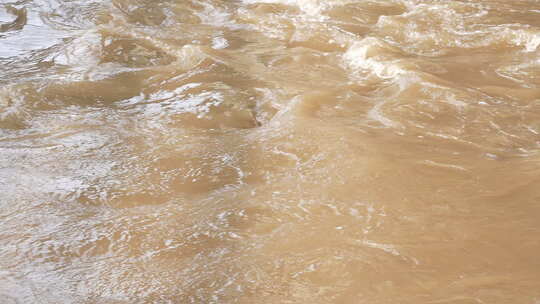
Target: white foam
[(309, 7), (528, 39), (219, 43), (358, 57), (376, 114), (83, 51)]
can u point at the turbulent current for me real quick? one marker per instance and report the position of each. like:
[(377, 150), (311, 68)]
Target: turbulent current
[(270, 151)]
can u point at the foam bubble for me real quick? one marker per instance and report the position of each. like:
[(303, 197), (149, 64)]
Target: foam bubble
[(364, 55)]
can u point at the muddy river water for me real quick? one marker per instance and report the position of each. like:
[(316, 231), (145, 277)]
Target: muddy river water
[(270, 151)]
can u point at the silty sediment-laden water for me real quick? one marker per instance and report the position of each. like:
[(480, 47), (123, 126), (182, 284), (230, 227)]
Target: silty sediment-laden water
[(270, 151)]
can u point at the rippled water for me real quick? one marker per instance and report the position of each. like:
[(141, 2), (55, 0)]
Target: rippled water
[(270, 151)]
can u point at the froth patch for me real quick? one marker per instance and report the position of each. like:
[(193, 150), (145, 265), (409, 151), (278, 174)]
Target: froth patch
[(13, 108), (308, 7), (528, 39), (439, 28), (374, 56)]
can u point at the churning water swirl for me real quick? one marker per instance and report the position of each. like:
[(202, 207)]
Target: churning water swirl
[(270, 151)]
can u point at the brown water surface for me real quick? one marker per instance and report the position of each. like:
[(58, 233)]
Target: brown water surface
[(270, 151)]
